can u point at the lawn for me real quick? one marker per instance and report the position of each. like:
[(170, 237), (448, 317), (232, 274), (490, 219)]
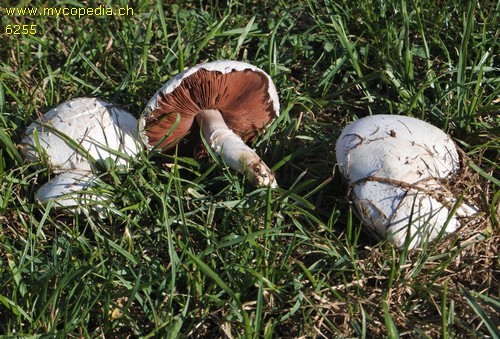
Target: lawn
[(189, 248)]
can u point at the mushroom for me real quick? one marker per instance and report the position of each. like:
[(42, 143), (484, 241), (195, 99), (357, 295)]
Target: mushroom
[(397, 169), (62, 189), (74, 135), (228, 99)]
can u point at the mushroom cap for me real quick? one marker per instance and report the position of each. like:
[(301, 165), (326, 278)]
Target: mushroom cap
[(64, 188), (71, 191), (244, 94), (413, 151), (395, 167), (98, 127)]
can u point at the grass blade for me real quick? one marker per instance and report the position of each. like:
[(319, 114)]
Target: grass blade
[(212, 275), (481, 314)]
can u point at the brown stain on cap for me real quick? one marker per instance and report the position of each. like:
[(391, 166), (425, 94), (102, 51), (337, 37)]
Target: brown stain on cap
[(242, 97)]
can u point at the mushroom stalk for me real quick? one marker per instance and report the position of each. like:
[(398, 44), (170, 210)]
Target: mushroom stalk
[(236, 154)]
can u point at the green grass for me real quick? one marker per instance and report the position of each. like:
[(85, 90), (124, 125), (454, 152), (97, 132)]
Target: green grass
[(189, 248)]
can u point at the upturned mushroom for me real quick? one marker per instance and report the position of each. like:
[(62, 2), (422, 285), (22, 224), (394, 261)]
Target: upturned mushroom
[(74, 135), (229, 100), (398, 169)]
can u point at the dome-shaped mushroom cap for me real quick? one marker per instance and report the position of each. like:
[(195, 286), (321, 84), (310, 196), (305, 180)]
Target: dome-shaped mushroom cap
[(411, 149), (395, 167), (71, 190), (63, 188), (244, 94), (98, 127)]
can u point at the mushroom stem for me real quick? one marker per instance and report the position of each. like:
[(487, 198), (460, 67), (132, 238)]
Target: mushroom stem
[(236, 154)]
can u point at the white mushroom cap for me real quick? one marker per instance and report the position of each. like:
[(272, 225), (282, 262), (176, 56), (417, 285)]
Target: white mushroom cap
[(245, 95), (395, 166), (66, 189), (71, 135), (95, 125)]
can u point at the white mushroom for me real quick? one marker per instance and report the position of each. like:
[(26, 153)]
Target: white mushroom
[(229, 99), (68, 189), (72, 136), (396, 168)]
